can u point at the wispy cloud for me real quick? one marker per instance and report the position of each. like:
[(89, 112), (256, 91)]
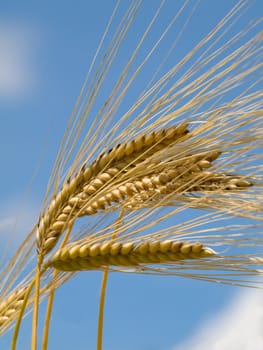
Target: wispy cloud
[(17, 60), (238, 327), (16, 220)]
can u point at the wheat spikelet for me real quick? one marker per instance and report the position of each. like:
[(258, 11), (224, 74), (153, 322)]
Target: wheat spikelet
[(84, 256), (91, 178), (139, 149), (78, 205)]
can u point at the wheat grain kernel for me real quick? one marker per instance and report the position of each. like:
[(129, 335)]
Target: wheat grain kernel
[(102, 201), (163, 178), (171, 132), (115, 248), (108, 197), (126, 248), (94, 249), (58, 225), (204, 163), (74, 202), (113, 171), (243, 183), (197, 247), (3, 320), (120, 151), (89, 211), (154, 246), (129, 148), (84, 250), (149, 139), (172, 173), (186, 248), (139, 143), (181, 129), (74, 252), (105, 177), (62, 217), (231, 187), (116, 195), (50, 242), (97, 183), (64, 254), (73, 184), (10, 312), (175, 248), (87, 173), (89, 189), (155, 180), (147, 183), (131, 189), (105, 248), (213, 156), (67, 209), (103, 161), (123, 190), (138, 185), (208, 252), (95, 205), (143, 247), (165, 245), (195, 169)]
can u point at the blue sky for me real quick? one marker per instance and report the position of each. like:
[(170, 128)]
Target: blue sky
[(45, 51)]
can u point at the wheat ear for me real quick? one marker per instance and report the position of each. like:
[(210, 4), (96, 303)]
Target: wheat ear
[(91, 178), (82, 255), (178, 172), (11, 306), (137, 193)]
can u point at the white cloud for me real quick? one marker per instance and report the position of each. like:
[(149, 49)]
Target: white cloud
[(238, 327), (17, 66)]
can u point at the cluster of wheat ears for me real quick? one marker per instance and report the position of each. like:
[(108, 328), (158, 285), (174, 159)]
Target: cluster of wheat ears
[(190, 142)]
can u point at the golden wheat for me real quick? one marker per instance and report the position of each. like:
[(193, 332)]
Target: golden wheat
[(137, 161), (11, 305), (92, 178), (76, 198)]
